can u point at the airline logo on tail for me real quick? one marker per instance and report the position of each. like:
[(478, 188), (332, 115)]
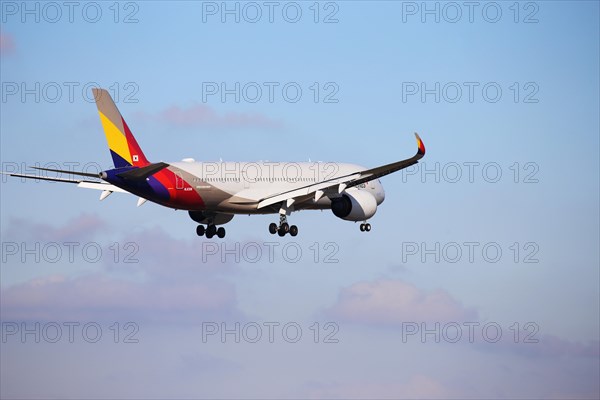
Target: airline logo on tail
[(124, 149)]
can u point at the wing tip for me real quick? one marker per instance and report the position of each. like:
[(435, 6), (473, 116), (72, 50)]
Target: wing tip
[(420, 145)]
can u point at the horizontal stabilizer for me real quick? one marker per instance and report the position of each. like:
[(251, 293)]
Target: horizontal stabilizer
[(43, 178), (79, 182), (138, 174)]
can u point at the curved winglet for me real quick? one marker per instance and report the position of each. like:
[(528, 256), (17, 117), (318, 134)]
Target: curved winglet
[(420, 145)]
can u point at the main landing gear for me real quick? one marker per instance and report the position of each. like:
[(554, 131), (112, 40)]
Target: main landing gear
[(210, 231), (365, 227), (283, 227)]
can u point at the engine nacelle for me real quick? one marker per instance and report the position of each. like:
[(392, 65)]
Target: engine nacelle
[(355, 205), (204, 217)]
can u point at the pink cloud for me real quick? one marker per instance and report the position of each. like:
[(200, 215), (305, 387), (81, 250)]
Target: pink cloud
[(416, 387), (553, 346), (162, 257), (391, 302), (538, 345), (166, 279), (7, 44), (99, 297), (82, 227), (201, 115)]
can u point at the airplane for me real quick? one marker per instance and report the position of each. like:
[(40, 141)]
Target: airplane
[(214, 192)]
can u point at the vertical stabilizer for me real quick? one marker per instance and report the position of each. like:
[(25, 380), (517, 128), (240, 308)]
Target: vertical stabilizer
[(123, 147)]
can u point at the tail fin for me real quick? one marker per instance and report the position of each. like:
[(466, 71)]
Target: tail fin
[(123, 147)]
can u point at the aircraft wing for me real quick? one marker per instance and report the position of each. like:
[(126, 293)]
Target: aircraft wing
[(341, 183), (87, 184)]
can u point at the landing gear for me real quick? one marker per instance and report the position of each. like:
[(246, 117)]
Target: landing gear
[(210, 231), (365, 227), (283, 227), (273, 228)]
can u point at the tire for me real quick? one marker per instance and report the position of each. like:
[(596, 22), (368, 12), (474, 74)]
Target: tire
[(273, 228), (200, 230), (221, 232), (285, 227), (211, 230), (293, 230), (368, 227), (362, 227), (281, 232)]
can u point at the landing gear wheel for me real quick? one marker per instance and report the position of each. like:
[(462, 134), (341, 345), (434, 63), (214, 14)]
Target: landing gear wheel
[(200, 230), (368, 227), (293, 230), (210, 231), (285, 227), (221, 232), (362, 227), (273, 228), (281, 232)]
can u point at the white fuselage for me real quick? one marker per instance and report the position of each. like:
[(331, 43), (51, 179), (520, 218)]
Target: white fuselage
[(229, 186)]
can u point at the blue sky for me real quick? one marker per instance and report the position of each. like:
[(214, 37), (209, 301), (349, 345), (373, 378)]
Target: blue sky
[(541, 134)]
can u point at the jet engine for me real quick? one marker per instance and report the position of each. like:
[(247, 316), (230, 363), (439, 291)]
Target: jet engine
[(355, 205)]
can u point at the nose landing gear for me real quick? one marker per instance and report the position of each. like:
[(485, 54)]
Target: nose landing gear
[(365, 227)]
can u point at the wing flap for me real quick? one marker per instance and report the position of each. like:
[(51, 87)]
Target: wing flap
[(324, 186)]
